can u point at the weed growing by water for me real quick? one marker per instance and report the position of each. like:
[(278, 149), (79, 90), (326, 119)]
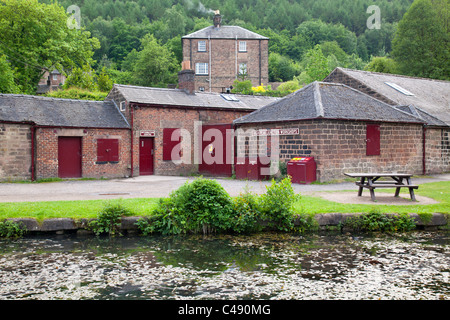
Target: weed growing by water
[(379, 222), (10, 229), (109, 219)]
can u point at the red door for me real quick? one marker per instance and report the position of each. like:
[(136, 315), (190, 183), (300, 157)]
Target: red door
[(146, 156), (216, 149), (69, 157), (373, 140)]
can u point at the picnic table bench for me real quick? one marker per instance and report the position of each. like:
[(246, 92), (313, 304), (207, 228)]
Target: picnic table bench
[(370, 181)]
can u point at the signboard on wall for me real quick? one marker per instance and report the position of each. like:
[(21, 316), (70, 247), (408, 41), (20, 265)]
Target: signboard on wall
[(276, 132), (147, 133)]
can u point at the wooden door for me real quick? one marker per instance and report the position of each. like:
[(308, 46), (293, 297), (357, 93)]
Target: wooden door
[(146, 156), (69, 157), (217, 158)]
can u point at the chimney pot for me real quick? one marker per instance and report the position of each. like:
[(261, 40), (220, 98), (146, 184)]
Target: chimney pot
[(217, 19)]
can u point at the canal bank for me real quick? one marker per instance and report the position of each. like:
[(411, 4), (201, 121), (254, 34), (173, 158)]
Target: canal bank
[(327, 221)]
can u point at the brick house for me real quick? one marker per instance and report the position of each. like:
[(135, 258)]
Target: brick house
[(344, 129), (427, 99), (156, 113), (44, 137), (50, 81), (220, 54)]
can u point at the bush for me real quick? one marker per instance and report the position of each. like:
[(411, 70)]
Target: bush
[(276, 204), (109, 219), (11, 229), (379, 222), (247, 214), (200, 206)]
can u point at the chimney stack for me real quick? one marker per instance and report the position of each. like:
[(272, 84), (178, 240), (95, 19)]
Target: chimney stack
[(186, 78), (217, 19)]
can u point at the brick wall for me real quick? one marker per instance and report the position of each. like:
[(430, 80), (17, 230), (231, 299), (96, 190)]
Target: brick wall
[(47, 152), (158, 118), (225, 60), (340, 146), (15, 152)]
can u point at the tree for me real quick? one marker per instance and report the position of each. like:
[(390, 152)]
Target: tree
[(382, 64), (317, 67), (421, 44), (36, 37), (7, 84), (281, 68), (155, 65), (104, 82), (83, 78)]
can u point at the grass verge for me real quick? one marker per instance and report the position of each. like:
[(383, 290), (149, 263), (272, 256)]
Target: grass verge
[(145, 206)]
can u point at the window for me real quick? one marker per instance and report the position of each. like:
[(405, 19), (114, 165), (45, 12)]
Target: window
[(242, 69), (242, 46), (201, 68), (202, 46), (55, 77), (399, 89), (201, 89), (122, 106), (169, 143), (373, 140), (107, 150)]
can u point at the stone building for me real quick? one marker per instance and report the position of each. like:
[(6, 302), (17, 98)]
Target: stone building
[(45, 138), (220, 54), (427, 99), (344, 129)]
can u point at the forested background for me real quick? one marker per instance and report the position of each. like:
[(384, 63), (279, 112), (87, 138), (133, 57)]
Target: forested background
[(139, 42)]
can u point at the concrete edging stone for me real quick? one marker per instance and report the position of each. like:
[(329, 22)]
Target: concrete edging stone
[(128, 224)]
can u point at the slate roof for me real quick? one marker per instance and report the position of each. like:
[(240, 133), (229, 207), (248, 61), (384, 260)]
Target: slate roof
[(431, 96), (46, 111), (322, 100), (224, 32), (178, 97)]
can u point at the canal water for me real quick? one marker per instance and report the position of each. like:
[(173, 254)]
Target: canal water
[(262, 266)]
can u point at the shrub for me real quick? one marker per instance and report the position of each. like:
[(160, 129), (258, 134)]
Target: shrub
[(11, 229), (379, 222), (246, 213), (277, 204), (200, 206), (109, 219)]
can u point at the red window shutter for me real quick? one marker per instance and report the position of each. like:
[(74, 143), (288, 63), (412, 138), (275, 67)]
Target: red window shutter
[(168, 144), (101, 150), (107, 150), (373, 140)]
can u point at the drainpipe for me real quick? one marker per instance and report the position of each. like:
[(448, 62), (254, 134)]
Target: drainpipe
[(33, 134), (424, 135), (132, 140), (209, 66)]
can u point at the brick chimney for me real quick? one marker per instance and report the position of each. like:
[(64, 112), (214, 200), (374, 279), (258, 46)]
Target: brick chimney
[(217, 19), (186, 78)]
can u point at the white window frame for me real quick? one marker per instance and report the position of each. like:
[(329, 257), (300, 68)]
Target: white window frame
[(55, 77), (201, 46), (122, 106), (242, 46), (202, 68)]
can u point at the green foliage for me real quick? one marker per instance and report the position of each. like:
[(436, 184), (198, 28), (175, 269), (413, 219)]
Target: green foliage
[(109, 219), (277, 203), (379, 222), (35, 36), (247, 214), (83, 78), (7, 83), (281, 68), (421, 44), (10, 229), (243, 87), (200, 206), (76, 93), (382, 64), (104, 82)]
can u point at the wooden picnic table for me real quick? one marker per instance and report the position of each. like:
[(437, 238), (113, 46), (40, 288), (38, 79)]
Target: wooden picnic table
[(370, 181)]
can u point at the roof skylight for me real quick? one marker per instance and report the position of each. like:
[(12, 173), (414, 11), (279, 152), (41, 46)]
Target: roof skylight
[(229, 97), (400, 89)]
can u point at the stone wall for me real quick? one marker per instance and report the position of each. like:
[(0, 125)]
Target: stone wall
[(340, 146), (437, 150), (15, 152)]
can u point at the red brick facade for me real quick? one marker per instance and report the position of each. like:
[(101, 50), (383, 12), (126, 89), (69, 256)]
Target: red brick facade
[(224, 59), (47, 152)]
